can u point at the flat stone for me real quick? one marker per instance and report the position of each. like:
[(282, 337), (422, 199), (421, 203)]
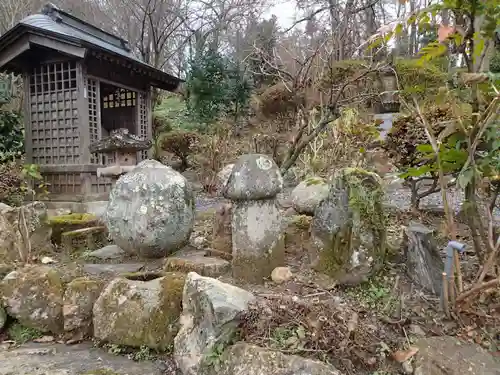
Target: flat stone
[(197, 262), (107, 252), (111, 269), (81, 359), (449, 356), (246, 359)]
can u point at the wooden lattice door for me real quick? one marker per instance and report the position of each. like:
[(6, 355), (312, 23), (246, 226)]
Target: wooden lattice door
[(54, 118), (142, 122), (95, 130)]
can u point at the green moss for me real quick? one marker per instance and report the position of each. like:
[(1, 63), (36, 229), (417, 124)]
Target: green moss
[(302, 222), (22, 334), (255, 270), (333, 258), (72, 219), (71, 222), (315, 181), (36, 288), (84, 284), (365, 203), (130, 328)]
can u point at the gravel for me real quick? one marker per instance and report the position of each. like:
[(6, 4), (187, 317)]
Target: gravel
[(397, 197)]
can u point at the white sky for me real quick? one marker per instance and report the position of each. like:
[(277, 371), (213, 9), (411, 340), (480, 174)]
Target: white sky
[(284, 11)]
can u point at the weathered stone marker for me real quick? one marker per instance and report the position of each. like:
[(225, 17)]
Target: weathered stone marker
[(423, 262), (348, 229), (257, 231)]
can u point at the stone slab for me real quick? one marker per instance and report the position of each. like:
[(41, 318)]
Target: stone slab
[(111, 269), (58, 359), (196, 261)]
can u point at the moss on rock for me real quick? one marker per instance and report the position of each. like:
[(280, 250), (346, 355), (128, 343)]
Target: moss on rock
[(255, 269), (71, 222), (349, 230), (140, 313), (79, 299), (315, 181), (297, 233), (34, 295)]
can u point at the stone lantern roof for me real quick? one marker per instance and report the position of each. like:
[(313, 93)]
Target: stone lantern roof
[(120, 140)]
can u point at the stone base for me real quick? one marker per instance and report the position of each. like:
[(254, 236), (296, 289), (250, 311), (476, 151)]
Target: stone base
[(258, 240), (197, 262), (97, 208)]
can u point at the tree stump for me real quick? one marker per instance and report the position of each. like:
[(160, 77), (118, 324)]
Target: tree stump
[(424, 264)]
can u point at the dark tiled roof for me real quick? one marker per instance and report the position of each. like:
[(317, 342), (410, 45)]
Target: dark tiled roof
[(46, 23), (67, 27)]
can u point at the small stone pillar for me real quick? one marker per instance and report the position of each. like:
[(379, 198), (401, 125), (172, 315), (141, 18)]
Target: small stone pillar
[(121, 149), (257, 230)]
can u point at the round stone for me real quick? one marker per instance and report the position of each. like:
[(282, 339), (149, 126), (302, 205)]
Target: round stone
[(150, 212), (254, 177), (308, 194)]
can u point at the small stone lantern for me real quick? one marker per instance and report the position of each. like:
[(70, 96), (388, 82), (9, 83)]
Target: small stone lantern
[(120, 149), (389, 101)]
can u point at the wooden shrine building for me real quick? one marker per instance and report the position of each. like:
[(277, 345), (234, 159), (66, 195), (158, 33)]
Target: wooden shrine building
[(80, 83)]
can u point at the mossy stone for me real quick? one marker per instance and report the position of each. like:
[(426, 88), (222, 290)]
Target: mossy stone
[(349, 228), (140, 313), (297, 233), (34, 295), (255, 269), (79, 299), (71, 222)]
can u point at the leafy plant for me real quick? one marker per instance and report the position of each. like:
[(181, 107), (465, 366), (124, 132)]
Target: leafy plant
[(181, 144), (172, 114), (216, 86), (21, 334), (472, 37), (11, 136)]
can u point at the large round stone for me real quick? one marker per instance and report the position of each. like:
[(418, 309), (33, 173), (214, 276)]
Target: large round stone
[(150, 210), (254, 177), (308, 194)]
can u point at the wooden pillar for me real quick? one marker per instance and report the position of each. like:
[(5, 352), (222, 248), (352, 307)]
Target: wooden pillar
[(149, 113), (84, 129), (28, 136)]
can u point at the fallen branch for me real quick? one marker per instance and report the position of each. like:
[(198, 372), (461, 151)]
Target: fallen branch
[(477, 289)]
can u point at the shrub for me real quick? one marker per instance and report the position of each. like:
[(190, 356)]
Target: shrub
[(172, 113), (12, 184), (11, 135), (419, 80), (410, 151), (180, 143)]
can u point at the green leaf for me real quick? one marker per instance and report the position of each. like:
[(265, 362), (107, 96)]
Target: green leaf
[(416, 172), (465, 178), (425, 149)]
